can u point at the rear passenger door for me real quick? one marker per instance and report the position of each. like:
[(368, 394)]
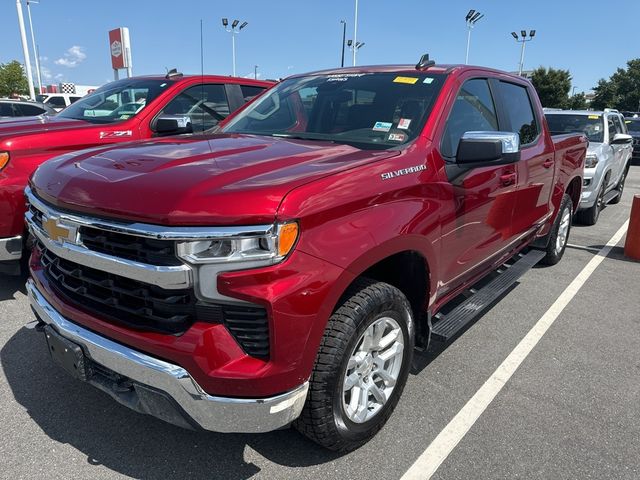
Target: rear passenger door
[(479, 227), (537, 159)]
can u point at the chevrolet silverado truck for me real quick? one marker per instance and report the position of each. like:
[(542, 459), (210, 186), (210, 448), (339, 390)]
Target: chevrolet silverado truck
[(608, 156), (126, 110), (282, 269)]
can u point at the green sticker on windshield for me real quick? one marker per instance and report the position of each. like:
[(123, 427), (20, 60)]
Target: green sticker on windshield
[(428, 80)]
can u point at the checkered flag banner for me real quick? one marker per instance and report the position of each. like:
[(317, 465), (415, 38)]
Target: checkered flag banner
[(67, 88)]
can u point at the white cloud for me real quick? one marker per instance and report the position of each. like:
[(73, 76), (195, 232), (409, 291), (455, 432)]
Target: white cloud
[(73, 57)]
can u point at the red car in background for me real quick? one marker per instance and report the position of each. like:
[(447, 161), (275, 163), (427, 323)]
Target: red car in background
[(130, 109)]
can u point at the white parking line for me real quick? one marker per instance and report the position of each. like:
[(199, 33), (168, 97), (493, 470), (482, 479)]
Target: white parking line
[(436, 453)]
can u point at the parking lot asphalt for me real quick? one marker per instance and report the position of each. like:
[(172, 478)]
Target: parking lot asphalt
[(572, 409)]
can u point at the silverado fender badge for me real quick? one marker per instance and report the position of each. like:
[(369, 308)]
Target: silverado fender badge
[(404, 171)]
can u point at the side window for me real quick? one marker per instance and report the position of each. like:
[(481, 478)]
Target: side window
[(619, 125), (518, 107), (73, 99), (6, 110), (473, 111), (29, 110), (206, 105), (56, 102), (249, 91), (611, 125)]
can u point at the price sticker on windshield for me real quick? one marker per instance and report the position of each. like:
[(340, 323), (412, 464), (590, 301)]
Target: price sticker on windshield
[(382, 126), (407, 80), (594, 117)]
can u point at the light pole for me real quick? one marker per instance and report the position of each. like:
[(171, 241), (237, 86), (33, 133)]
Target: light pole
[(472, 18), (354, 47), (355, 34), (573, 91), (255, 72), (233, 29), (523, 40), (25, 50), (34, 45), (344, 39)]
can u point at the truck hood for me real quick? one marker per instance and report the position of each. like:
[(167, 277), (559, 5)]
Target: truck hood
[(214, 180), (27, 125)]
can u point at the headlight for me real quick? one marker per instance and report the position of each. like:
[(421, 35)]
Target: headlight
[(235, 252), (264, 249), (591, 161), (4, 159)]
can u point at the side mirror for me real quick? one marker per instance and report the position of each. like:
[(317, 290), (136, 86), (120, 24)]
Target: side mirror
[(477, 149), (173, 125), (621, 139)]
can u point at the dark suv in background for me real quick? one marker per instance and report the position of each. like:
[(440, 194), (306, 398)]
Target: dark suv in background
[(633, 125), (19, 108)]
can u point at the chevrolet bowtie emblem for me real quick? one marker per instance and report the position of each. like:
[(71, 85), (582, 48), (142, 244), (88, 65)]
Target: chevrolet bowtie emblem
[(58, 232)]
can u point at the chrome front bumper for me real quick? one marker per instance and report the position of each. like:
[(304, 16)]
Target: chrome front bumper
[(10, 249), (219, 414)]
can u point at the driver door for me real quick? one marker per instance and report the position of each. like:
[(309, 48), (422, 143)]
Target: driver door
[(205, 104), (478, 228)]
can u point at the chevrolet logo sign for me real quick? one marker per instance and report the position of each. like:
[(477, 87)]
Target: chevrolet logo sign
[(58, 232)]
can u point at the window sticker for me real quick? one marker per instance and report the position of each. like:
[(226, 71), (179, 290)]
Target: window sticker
[(428, 80), (343, 77), (408, 80), (397, 137), (594, 117), (404, 123), (382, 126), (596, 128)]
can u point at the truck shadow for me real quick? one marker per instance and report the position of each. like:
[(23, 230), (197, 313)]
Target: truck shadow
[(129, 443), (12, 284)]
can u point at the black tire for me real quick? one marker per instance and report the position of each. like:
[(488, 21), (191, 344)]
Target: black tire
[(323, 418), (555, 250), (620, 187), (590, 216)]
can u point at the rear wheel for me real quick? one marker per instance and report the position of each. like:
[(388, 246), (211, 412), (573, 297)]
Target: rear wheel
[(559, 235), (620, 187), (361, 368), (590, 216)]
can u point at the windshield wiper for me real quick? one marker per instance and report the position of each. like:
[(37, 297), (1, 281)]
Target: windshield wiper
[(302, 137)]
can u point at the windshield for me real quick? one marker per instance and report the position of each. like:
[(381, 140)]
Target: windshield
[(368, 110), (633, 125), (115, 101), (41, 98), (591, 125)]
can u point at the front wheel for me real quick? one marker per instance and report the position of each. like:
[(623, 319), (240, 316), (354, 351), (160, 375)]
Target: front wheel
[(559, 235), (620, 187), (361, 367), (590, 216)]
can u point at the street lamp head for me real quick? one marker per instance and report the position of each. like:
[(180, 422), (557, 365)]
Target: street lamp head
[(469, 15), (477, 17), (523, 33), (244, 24), (532, 33), (359, 45), (349, 43), (225, 22), (235, 23), (514, 35)]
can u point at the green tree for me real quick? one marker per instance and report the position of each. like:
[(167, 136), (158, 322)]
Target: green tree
[(13, 79), (621, 91), (553, 86), (577, 102)]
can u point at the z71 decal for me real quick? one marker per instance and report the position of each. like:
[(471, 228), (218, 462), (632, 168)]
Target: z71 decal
[(404, 171), (116, 134)]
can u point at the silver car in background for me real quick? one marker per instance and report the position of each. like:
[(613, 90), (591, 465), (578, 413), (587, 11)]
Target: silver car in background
[(608, 157)]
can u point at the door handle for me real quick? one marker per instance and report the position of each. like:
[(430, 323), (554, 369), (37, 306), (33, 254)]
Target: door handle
[(508, 179), (548, 163)]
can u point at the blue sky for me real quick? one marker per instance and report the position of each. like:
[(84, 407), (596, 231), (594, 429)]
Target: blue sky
[(590, 38)]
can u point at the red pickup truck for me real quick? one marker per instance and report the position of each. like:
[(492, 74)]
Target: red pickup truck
[(130, 109), (283, 269)]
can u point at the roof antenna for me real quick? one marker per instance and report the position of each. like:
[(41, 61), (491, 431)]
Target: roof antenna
[(425, 62)]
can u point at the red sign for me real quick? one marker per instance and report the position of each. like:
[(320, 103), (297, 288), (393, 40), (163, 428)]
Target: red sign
[(119, 47)]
